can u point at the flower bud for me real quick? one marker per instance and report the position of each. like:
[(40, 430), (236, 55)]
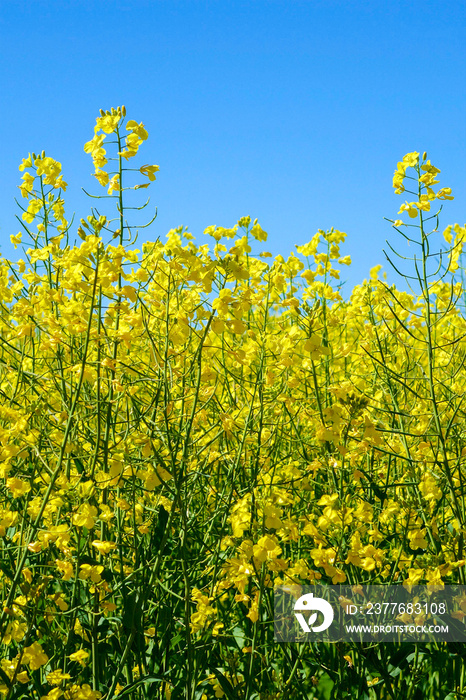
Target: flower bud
[(424, 156)]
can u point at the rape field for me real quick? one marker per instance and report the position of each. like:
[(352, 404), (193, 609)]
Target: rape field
[(186, 425)]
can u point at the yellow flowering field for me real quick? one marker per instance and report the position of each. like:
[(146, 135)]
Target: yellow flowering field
[(184, 425)]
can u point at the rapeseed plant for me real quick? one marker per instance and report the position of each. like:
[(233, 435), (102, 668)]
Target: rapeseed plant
[(185, 426)]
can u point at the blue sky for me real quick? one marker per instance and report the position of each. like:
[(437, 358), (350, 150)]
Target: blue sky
[(292, 112)]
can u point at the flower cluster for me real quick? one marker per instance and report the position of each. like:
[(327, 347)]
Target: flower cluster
[(184, 426)]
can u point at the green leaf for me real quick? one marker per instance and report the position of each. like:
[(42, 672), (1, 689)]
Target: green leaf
[(127, 690)]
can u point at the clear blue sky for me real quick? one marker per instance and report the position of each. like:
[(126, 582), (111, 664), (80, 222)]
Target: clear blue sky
[(293, 112)]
